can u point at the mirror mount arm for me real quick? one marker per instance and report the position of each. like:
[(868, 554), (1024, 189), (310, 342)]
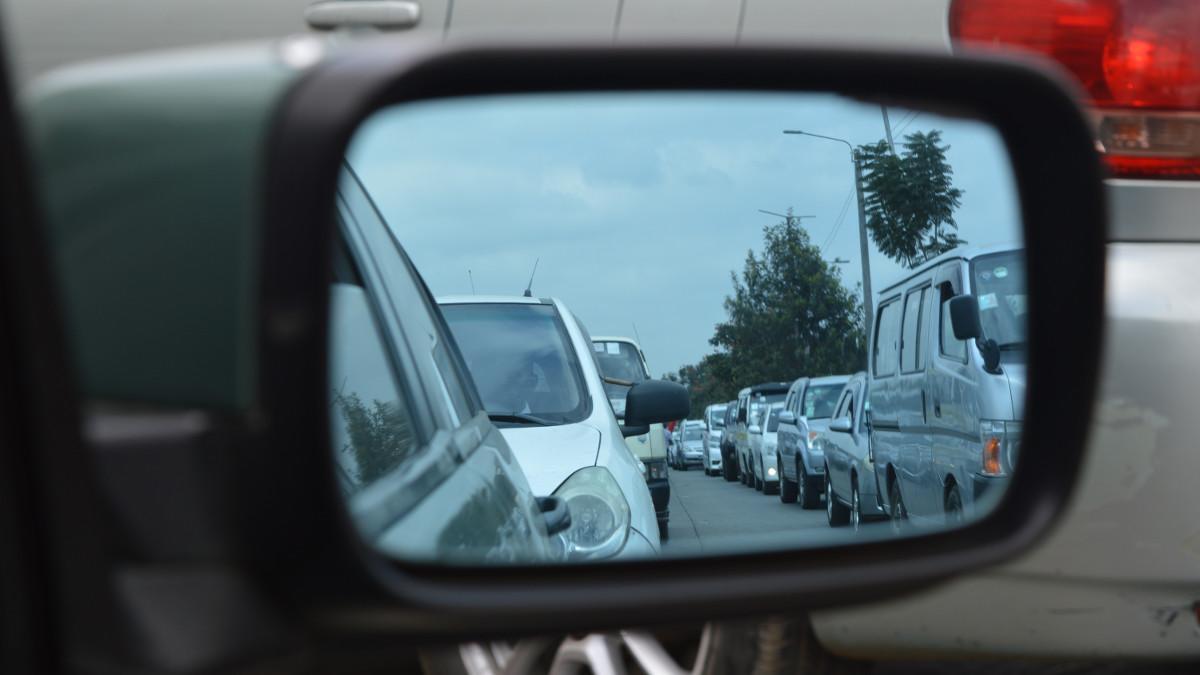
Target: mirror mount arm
[(628, 430), (991, 355)]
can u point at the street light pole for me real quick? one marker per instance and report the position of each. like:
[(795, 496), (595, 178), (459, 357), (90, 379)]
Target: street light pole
[(863, 248)]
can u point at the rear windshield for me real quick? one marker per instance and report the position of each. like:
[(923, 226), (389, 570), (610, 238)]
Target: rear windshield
[(820, 400)]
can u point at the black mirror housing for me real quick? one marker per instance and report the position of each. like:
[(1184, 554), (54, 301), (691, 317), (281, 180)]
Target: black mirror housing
[(656, 402), (964, 317)]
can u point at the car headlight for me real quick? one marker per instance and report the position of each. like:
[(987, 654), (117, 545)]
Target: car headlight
[(599, 514), (999, 439)]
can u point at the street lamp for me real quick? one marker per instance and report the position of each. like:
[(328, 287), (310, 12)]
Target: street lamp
[(863, 249), (785, 216)]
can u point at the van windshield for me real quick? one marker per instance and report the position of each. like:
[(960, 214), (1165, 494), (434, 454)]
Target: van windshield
[(620, 361), (999, 284)]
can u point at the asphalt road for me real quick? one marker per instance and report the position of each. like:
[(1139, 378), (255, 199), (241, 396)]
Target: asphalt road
[(710, 515)]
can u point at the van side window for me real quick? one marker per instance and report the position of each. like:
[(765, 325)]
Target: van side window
[(887, 335), (948, 345), (910, 347)]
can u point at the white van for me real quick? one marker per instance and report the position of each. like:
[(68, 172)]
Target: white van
[(947, 386)]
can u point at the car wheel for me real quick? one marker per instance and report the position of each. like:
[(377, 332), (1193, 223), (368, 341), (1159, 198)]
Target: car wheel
[(835, 511), (758, 481), (855, 505), (753, 646), (787, 488), (664, 530), (808, 496), (954, 506), (729, 469)]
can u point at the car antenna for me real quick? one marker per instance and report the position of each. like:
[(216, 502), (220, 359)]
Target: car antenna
[(529, 287), (472, 278), (635, 332)]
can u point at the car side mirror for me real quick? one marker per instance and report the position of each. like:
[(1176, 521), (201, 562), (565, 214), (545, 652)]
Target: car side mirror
[(964, 317), (557, 513), (787, 417), (841, 425), (754, 429), (656, 402)]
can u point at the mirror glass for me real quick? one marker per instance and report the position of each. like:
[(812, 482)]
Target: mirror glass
[(516, 275)]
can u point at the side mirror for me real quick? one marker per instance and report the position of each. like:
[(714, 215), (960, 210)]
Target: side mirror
[(841, 425), (964, 317), (655, 402), (754, 429), (557, 513), (787, 417), (628, 430)]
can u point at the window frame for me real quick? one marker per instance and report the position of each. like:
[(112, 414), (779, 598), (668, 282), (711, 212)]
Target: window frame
[(877, 326), (921, 363)]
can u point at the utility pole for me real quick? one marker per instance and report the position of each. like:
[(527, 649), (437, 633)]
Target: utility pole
[(863, 248), (887, 127)]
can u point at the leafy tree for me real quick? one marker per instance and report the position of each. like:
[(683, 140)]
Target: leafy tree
[(910, 198), (379, 436), (789, 316)]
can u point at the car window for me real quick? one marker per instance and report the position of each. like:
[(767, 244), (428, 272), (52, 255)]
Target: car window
[(886, 339), (910, 343), (948, 345), (372, 421), (999, 283), (521, 359)]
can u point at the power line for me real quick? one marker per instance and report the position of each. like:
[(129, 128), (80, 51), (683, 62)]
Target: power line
[(910, 121), (840, 219)]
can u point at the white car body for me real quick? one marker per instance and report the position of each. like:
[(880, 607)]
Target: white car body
[(1118, 574), (549, 455), (713, 415)]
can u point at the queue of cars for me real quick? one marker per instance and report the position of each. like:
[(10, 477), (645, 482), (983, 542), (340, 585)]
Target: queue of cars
[(929, 432)]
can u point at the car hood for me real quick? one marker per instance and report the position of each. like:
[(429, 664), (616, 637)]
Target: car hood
[(548, 455), (693, 445)]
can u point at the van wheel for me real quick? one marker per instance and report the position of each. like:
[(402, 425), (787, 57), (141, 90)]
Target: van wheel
[(835, 511), (787, 488), (809, 492), (954, 506), (896, 509)]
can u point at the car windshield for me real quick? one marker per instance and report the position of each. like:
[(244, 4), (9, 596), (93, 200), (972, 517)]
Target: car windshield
[(620, 361), (999, 284), (819, 400), (692, 433), (716, 418), (520, 359)]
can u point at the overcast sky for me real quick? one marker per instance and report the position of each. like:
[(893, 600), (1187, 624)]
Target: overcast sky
[(640, 205)]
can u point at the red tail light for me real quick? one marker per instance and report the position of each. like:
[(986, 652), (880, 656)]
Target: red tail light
[(1138, 60)]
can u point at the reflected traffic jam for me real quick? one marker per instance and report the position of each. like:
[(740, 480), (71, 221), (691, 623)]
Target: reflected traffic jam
[(495, 428)]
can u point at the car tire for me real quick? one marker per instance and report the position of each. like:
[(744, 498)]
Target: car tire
[(787, 488), (664, 529), (809, 495), (836, 512), (855, 505), (759, 485), (729, 470)]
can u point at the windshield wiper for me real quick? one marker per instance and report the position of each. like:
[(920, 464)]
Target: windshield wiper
[(520, 418)]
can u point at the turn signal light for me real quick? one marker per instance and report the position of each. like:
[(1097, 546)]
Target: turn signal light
[(991, 457), (1138, 61)]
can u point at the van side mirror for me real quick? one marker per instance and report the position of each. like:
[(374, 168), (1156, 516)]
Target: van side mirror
[(964, 317), (787, 417), (656, 402)]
